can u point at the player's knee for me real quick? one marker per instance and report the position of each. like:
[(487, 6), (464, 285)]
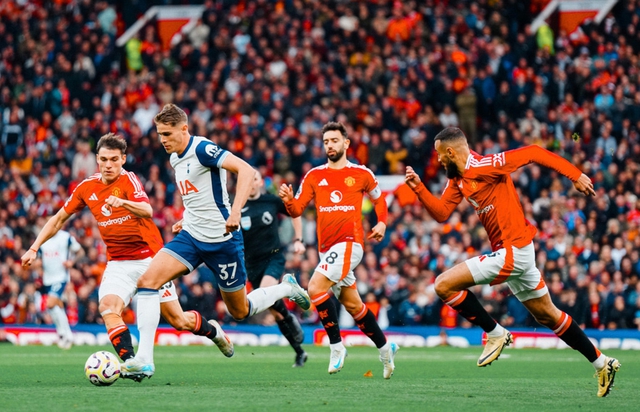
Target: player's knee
[(239, 314), (106, 305), (148, 282), (441, 287)]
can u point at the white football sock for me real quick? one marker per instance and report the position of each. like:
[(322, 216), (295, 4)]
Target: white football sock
[(599, 363), (384, 348), (65, 329), (496, 332), (334, 346), (148, 313), (55, 313), (263, 298)]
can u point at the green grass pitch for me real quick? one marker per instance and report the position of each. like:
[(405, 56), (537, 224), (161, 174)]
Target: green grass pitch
[(261, 379)]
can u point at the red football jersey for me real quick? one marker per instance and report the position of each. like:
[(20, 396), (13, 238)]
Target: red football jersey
[(486, 184), (127, 236), (338, 195)]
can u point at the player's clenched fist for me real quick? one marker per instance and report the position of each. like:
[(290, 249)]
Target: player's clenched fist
[(114, 201), (28, 258), (285, 192), (411, 178), (233, 222)]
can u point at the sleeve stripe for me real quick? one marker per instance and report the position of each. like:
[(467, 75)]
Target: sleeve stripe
[(137, 185)]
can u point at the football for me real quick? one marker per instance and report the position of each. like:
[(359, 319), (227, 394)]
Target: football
[(102, 368)]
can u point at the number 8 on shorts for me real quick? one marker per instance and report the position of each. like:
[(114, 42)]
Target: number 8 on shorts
[(338, 262)]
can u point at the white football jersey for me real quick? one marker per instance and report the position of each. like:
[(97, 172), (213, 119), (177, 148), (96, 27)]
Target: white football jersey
[(202, 182), (54, 252)]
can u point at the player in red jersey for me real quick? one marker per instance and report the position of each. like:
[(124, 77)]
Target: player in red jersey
[(119, 203), (337, 189), (486, 183)]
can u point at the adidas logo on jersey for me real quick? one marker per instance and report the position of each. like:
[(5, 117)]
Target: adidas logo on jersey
[(166, 293), (323, 183), (93, 197)]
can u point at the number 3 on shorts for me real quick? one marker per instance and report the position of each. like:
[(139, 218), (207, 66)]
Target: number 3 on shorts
[(224, 274)]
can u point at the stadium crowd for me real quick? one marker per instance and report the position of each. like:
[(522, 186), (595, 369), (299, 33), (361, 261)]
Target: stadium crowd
[(261, 77)]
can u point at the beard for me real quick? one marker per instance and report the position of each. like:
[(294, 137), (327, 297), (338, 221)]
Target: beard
[(451, 170), (336, 156)]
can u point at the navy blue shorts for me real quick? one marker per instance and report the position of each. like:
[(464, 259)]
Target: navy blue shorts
[(270, 265), (225, 259), (55, 290)]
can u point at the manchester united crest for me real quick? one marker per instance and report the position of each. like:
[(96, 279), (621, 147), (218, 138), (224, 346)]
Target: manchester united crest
[(349, 181), (116, 192), (474, 185)]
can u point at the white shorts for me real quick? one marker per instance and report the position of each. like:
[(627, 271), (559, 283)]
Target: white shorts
[(337, 264), (120, 278), (516, 267)]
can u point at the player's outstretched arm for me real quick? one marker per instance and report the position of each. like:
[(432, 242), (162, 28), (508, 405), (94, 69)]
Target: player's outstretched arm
[(245, 174), (48, 231), (298, 245), (295, 205), (140, 209), (514, 159), (439, 209)]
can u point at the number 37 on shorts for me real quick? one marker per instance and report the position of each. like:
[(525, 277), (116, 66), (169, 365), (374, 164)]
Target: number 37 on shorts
[(231, 276), (338, 262)]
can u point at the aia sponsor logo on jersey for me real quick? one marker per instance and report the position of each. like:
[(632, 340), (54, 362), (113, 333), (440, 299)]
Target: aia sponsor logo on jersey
[(335, 196), (186, 187)]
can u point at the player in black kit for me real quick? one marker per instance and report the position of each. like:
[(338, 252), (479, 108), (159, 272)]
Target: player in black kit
[(264, 258)]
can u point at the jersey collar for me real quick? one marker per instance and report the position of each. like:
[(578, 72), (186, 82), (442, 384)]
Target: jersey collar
[(181, 155)]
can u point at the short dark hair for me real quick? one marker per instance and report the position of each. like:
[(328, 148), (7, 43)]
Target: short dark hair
[(112, 141), (450, 134), (334, 126), (171, 115)]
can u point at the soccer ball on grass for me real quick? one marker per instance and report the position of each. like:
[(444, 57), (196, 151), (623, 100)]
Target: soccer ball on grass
[(102, 368)]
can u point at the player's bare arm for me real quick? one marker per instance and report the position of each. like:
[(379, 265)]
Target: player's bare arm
[(411, 178), (584, 185), (298, 245), (245, 174), (140, 209), (48, 231)]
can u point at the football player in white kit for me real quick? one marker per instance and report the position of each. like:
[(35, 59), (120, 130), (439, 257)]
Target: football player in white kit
[(57, 256), (208, 233)]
